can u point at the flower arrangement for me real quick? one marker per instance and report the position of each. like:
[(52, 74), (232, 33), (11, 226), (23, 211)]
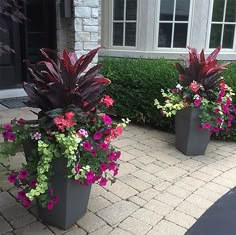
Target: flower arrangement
[(77, 129), (201, 86)]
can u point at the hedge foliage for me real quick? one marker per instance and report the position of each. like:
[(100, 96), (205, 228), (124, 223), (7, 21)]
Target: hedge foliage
[(137, 82)]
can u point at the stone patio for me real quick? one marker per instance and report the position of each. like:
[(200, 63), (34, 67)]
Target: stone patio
[(159, 191)]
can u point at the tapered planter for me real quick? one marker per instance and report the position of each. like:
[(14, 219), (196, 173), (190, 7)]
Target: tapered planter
[(190, 140), (73, 200)]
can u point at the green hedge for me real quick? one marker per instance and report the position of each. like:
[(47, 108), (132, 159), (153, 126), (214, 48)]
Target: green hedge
[(137, 82)]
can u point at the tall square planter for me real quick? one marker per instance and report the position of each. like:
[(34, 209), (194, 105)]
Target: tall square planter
[(190, 140), (74, 197)]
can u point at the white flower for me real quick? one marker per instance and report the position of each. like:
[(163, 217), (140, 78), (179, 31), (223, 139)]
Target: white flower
[(178, 86), (196, 97), (36, 136)]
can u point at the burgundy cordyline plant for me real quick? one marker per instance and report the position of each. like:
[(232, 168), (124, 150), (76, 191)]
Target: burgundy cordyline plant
[(72, 124), (202, 86)]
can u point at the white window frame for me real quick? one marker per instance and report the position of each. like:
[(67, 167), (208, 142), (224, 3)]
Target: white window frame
[(147, 34), (158, 21), (124, 21), (210, 22)]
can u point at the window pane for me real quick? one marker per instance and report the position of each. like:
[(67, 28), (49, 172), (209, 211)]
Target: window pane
[(180, 35), (228, 38), (231, 11), (118, 34), (165, 31), (130, 34), (182, 10), (218, 10), (118, 10), (215, 38), (131, 9), (167, 9)]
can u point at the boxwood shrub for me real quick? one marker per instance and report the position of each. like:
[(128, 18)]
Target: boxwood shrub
[(137, 82)]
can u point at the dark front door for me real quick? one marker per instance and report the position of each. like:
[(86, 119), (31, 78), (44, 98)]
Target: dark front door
[(38, 31), (10, 63)]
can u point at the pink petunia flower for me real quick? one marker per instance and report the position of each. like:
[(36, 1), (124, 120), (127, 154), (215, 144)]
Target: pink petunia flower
[(97, 135), (69, 115), (7, 127), (33, 183), (116, 171), (103, 182), (21, 195), (207, 125), (103, 146), (23, 174), (89, 176), (36, 136), (21, 122), (11, 136), (219, 120), (112, 166), (12, 178), (118, 154), (82, 132), (50, 204), (107, 120), (197, 102), (56, 199), (111, 156), (51, 191), (26, 202), (103, 167), (87, 146), (94, 153), (200, 127)]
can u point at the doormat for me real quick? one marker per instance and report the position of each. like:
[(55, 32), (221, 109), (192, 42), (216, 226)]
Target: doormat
[(219, 219), (16, 102)]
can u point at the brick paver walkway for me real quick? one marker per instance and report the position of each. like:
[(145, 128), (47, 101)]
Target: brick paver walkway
[(159, 190)]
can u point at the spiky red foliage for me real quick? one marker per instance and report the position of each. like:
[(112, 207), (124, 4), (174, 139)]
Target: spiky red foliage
[(58, 82), (204, 71)]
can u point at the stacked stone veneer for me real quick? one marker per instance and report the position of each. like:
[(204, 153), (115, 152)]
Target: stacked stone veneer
[(87, 25)]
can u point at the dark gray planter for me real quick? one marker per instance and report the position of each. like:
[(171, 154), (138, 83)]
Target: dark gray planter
[(190, 140), (73, 201), (74, 197)]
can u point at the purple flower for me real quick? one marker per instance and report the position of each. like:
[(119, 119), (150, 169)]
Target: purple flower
[(11, 136), (97, 135), (21, 195), (26, 202), (23, 174), (12, 178), (103, 146), (107, 120), (7, 127), (87, 146)]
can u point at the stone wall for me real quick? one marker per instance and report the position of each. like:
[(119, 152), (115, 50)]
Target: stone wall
[(87, 23)]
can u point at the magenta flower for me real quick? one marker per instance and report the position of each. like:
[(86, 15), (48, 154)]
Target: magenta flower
[(26, 202), (21, 122), (207, 125), (103, 167), (107, 131), (50, 204), (12, 178), (217, 110), (112, 166), (11, 136), (97, 135), (200, 127), (21, 195), (7, 127), (33, 183), (103, 182), (219, 120), (107, 120), (111, 156), (87, 146), (23, 174), (197, 102), (116, 171), (103, 146), (5, 134), (51, 191), (118, 154), (89, 176), (94, 153)]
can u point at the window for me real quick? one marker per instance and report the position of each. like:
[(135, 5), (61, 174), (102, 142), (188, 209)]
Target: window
[(223, 24), (173, 23), (124, 23)]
